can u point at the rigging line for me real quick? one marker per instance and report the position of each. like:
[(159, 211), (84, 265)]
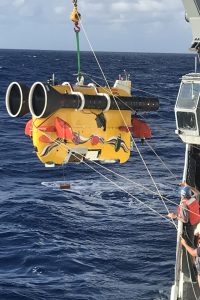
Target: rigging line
[(119, 108), (152, 178), (133, 88), (46, 119), (125, 122), (102, 72), (109, 170), (173, 175), (140, 185), (164, 130), (132, 196), (65, 147), (115, 96), (137, 184), (145, 139), (122, 115), (155, 95), (119, 175), (95, 56), (91, 76), (139, 152), (124, 119), (141, 158), (104, 77), (58, 143), (111, 81), (172, 221)]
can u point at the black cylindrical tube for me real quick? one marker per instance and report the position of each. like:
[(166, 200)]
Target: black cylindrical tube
[(17, 99), (44, 100)]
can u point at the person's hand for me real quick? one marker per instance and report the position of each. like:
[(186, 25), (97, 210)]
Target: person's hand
[(172, 216), (183, 242)]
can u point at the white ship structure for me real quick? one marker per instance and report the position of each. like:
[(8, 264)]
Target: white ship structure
[(187, 112)]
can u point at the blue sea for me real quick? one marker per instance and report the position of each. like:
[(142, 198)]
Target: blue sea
[(94, 241)]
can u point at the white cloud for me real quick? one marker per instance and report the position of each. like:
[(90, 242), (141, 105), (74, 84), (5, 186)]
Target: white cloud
[(146, 8), (18, 3), (103, 11), (104, 20), (131, 11), (138, 6)]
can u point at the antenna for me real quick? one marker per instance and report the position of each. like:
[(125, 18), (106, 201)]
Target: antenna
[(127, 76)]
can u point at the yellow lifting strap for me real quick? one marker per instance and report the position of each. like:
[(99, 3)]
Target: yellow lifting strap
[(75, 15)]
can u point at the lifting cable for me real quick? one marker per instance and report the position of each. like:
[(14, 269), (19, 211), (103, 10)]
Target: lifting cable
[(172, 221), (76, 20), (103, 167), (58, 143), (119, 175), (139, 201), (111, 171), (151, 148), (147, 206), (137, 184), (132, 196), (77, 29), (131, 181), (126, 124), (132, 89), (173, 175), (124, 120), (76, 23), (122, 115)]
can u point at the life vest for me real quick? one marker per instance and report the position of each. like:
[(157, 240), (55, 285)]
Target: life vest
[(192, 204)]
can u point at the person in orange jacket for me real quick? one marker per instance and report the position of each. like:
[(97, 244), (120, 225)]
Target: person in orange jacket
[(188, 210)]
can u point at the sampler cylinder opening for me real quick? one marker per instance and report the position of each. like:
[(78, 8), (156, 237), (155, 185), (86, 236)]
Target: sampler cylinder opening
[(16, 99), (38, 99)]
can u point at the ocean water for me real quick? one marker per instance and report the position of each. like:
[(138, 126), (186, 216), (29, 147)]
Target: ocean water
[(93, 242)]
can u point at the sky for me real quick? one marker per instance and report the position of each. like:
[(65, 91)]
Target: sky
[(110, 25)]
